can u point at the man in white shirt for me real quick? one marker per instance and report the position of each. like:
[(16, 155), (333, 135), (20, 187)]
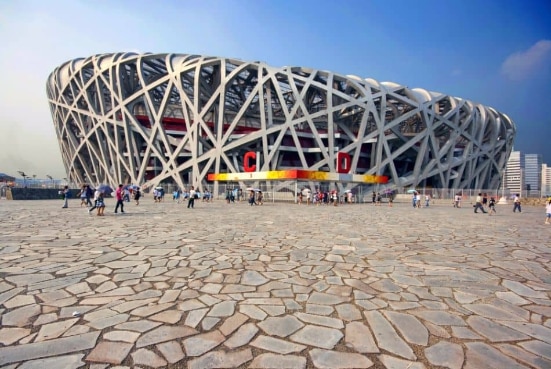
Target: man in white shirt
[(478, 204)]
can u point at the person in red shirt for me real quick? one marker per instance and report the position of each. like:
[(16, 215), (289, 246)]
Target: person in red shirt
[(119, 193)]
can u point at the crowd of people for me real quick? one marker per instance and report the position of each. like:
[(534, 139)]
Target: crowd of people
[(94, 199)]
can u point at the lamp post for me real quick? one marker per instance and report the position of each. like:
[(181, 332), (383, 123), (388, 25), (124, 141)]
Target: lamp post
[(22, 174)]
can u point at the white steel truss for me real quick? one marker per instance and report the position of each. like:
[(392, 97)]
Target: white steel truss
[(172, 118)]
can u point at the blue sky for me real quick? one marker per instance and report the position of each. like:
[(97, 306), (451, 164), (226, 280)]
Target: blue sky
[(497, 53)]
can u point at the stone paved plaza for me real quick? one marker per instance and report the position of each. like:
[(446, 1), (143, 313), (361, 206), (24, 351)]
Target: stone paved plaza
[(273, 286)]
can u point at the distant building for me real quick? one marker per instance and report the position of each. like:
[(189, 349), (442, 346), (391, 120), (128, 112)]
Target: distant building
[(514, 172), (545, 180), (532, 173)]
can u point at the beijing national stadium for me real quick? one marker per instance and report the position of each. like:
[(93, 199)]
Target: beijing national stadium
[(154, 119)]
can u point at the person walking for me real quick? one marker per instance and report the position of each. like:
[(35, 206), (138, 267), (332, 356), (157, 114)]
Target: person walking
[(492, 206), (478, 204), (100, 204), (65, 193), (137, 195), (191, 200), (89, 195), (119, 194), (548, 213), (82, 195), (97, 195), (516, 203)]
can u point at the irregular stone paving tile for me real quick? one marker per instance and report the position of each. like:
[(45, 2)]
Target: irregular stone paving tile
[(125, 307), (108, 322), (493, 312), (55, 347), (526, 357), (348, 312), (276, 345), (334, 360), (319, 309), (28, 279), (103, 366), (465, 333), (65, 362), (79, 288), (138, 326), (253, 278), (221, 359), (535, 330), (494, 331), (172, 351), (512, 298), (163, 334), (537, 347), (20, 317), (54, 330), (445, 354), (191, 304), (222, 309), (169, 296), (123, 336), (195, 316), (232, 323), (19, 300), (523, 290), (199, 344), (168, 316), (437, 331), (146, 311), (392, 362), (273, 310), (11, 335), (317, 336), (320, 298), (439, 317), (109, 352), (281, 327), (480, 355), (320, 320), (358, 337), (275, 361), (253, 312), (243, 336), (386, 336), (410, 327), (209, 322), (76, 330), (149, 358), (9, 294)]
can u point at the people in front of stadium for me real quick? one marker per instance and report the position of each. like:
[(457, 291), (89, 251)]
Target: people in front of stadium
[(478, 204), (137, 195), (492, 206), (548, 212), (516, 204), (119, 194)]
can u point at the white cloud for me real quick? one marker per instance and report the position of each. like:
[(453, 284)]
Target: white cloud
[(525, 64)]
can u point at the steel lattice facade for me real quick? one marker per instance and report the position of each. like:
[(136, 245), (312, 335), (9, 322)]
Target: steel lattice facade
[(157, 118)]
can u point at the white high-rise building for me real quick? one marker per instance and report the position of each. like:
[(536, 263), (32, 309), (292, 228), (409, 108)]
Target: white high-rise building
[(532, 173), (514, 172), (545, 180)]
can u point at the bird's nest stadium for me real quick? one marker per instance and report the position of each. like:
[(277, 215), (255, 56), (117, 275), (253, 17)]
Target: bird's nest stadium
[(155, 119)]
